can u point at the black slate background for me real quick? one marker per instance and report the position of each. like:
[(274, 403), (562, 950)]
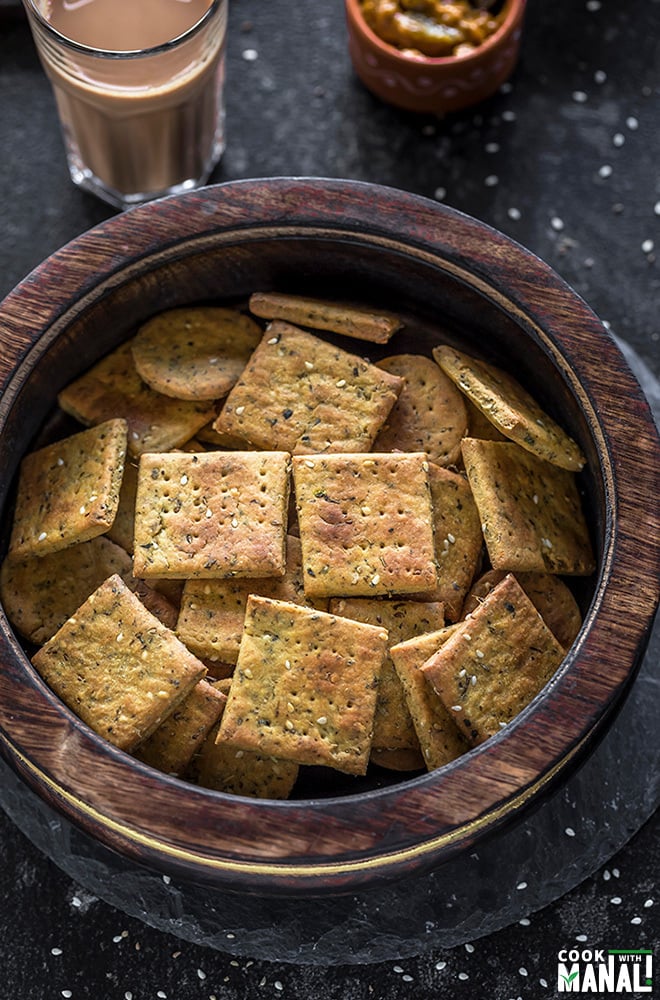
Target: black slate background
[(564, 160)]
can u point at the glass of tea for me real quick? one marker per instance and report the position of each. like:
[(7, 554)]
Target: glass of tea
[(139, 91)]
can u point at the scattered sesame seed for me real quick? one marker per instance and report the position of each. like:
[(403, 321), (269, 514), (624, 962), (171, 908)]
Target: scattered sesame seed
[(184, 479), (250, 55), (600, 76), (615, 900), (656, 208), (479, 653), (278, 986), (440, 193), (397, 968), (523, 971), (240, 410), (309, 463), (492, 147), (309, 365), (322, 719), (569, 831), (647, 904), (67, 993), (618, 139), (514, 213), (166, 879), (580, 96), (234, 522), (247, 672), (606, 875), (289, 724), (492, 180), (42, 536), (450, 538), (463, 976), (407, 978), (473, 680), (287, 664), (616, 872), (502, 725), (76, 901), (375, 579), (208, 512), (341, 383), (521, 885), (508, 116), (128, 995), (544, 983), (440, 966), (457, 708), (632, 123), (201, 974), (605, 170), (469, 948), (593, 6), (557, 223), (647, 246), (636, 920), (524, 921), (58, 951), (581, 937)]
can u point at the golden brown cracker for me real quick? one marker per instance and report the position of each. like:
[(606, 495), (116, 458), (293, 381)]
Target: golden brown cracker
[(117, 667), (440, 740), (393, 726), (172, 746), (225, 768), (213, 611), (113, 388), (218, 514), (531, 513), (494, 663), (509, 406), (429, 414), (194, 352), (301, 394), (548, 593), (304, 688), (348, 319), (68, 492), (365, 523), (458, 538), (39, 594)]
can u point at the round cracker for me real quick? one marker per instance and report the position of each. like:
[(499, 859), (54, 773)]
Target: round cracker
[(430, 413), (549, 595), (195, 353)]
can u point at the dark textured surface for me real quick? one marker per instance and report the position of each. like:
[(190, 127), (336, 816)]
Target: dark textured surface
[(565, 161)]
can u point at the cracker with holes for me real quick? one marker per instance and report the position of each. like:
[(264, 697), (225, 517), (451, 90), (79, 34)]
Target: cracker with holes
[(217, 514), (195, 352), (512, 410), (494, 663), (393, 726), (548, 593), (304, 395), (223, 768), (305, 686), (440, 740), (68, 492), (113, 388), (172, 746), (366, 525), (117, 666), (213, 611), (429, 414), (39, 594), (458, 538), (350, 320), (530, 510)]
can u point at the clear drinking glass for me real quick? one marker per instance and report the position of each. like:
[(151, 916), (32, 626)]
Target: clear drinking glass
[(141, 123)]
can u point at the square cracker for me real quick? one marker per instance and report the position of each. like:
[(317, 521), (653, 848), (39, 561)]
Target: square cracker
[(217, 514), (511, 409), (337, 317), (531, 514), (393, 726), (117, 667), (458, 538), (222, 767), (430, 413), (366, 524), (68, 492), (113, 388), (213, 611), (304, 688), (40, 594), (494, 662), (439, 738), (304, 395), (171, 747)]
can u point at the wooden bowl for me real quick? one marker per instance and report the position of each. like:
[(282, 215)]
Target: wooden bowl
[(434, 85), (452, 277)]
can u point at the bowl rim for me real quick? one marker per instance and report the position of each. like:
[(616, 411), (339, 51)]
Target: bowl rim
[(313, 206), (513, 9)]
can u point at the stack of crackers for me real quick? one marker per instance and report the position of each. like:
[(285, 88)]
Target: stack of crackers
[(264, 552)]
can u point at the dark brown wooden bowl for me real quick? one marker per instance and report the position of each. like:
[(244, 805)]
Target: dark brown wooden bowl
[(454, 278)]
